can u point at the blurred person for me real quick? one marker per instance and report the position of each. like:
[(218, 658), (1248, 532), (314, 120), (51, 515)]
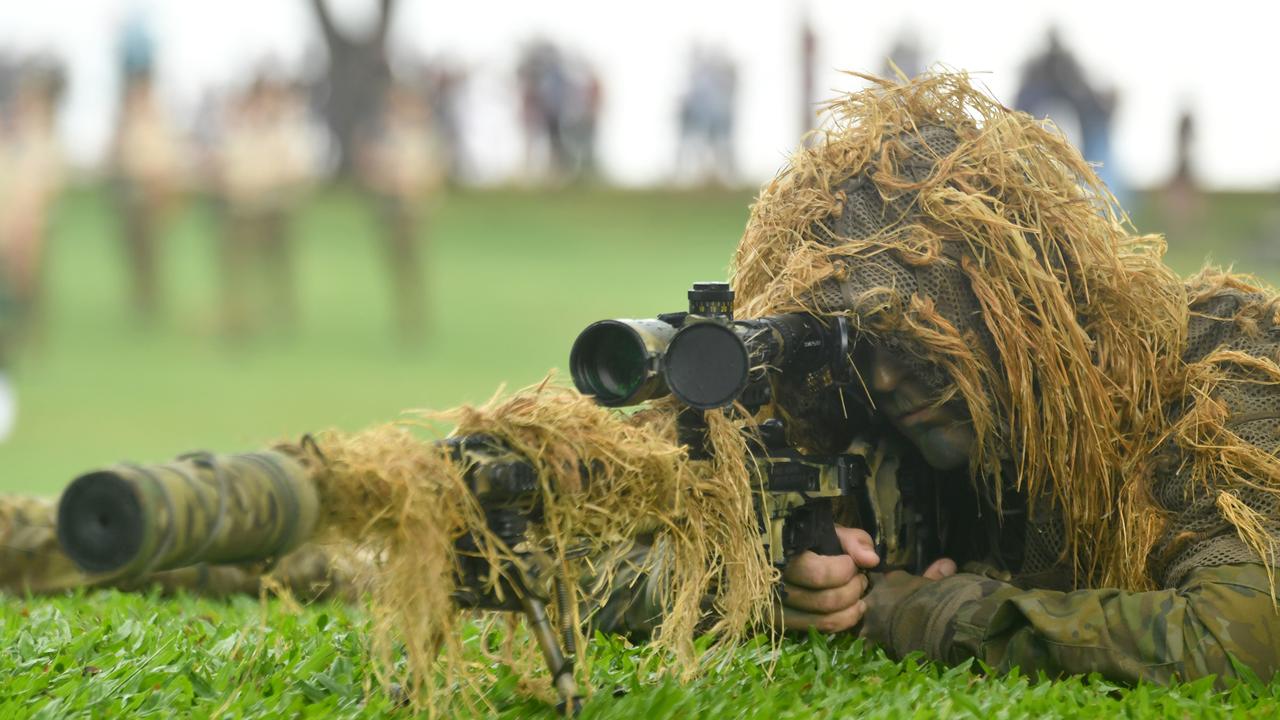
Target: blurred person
[(560, 101), (1182, 201), (136, 46), (147, 165), (266, 159), (8, 395), (704, 153), (580, 117), (444, 82), (8, 312), (544, 88), (356, 78), (30, 179), (10, 71), (31, 166), (906, 55), (808, 72), (402, 166), (1054, 85)]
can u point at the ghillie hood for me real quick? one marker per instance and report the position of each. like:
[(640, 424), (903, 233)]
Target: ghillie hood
[(978, 240)]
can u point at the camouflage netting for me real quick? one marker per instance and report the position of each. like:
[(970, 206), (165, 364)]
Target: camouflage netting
[(976, 240), (404, 500)]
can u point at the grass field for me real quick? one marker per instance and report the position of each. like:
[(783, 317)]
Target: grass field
[(115, 655), (513, 278)]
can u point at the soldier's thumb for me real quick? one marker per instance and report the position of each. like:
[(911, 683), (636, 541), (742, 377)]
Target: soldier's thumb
[(941, 568)]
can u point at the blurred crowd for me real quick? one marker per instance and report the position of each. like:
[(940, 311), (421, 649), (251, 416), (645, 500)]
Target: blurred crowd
[(396, 132), (560, 98), (705, 150)]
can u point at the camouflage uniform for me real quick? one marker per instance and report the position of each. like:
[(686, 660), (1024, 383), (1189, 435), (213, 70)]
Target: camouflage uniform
[(30, 559), (1189, 630)]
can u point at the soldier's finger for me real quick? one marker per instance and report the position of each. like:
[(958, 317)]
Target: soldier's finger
[(940, 568), (825, 602), (827, 623), (858, 543), (819, 572)]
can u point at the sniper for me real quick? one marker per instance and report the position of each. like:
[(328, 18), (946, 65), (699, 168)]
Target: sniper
[(1101, 434)]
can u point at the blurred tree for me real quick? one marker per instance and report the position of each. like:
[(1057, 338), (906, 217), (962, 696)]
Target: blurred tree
[(356, 80)]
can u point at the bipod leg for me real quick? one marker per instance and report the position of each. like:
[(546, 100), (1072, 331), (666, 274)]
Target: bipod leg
[(535, 611)]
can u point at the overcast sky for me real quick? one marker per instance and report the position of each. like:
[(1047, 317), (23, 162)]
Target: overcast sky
[(1220, 59)]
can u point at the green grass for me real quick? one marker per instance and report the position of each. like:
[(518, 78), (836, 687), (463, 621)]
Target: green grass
[(513, 278), (116, 655)]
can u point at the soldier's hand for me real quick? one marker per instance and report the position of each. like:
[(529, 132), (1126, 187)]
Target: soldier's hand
[(825, 591), (888, 590)]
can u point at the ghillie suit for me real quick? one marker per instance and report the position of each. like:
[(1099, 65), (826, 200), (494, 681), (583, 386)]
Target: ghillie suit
[(609, 486), (1126, 422)]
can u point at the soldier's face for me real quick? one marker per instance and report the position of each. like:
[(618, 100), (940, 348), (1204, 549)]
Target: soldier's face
[(943, 433)]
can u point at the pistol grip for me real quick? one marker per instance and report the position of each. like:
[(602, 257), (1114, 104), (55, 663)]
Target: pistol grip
[(825, 539)]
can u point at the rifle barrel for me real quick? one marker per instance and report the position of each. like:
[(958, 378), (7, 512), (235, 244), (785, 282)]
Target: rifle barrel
[(132, 520)]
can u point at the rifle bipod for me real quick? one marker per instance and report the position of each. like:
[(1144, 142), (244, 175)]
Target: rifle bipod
[(508, 522), (560, 666)]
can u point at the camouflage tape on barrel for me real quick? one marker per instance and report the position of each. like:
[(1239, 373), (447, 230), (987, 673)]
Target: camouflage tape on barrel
[(132, 520)]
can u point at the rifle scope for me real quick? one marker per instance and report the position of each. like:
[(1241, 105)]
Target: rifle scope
[(704, 357)]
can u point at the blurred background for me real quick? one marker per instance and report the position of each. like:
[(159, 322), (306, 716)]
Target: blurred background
[(227, 223)]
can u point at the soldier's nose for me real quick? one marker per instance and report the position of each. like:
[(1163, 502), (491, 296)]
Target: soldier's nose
[(886, 371)]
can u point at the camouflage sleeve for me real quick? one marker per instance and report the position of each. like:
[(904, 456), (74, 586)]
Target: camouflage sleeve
[(1216, 614), (30, 558)]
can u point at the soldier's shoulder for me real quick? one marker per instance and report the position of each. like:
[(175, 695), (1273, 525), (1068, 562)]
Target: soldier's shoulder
[(1230, 311)]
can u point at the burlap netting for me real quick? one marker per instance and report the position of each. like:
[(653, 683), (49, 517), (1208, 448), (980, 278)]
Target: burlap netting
[(975, 240), (1232, 343)]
